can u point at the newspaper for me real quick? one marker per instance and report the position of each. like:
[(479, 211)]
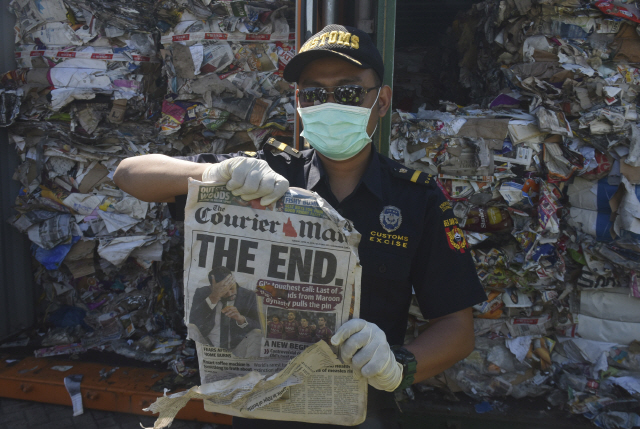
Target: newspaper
[(53, 231), (265, 289)]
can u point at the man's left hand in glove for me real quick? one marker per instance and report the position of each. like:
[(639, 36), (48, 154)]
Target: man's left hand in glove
[(364, 345)]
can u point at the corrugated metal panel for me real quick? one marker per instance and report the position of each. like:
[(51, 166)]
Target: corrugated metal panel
[(17, 303)]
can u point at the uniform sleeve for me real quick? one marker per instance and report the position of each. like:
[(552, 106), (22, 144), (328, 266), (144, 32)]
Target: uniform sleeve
[(443, 274)]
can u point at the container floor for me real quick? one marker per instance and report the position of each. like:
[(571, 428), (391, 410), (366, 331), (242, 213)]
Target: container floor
[(17, 414)]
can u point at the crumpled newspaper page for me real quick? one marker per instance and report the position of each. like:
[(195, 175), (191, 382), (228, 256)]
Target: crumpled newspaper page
[(265, 289), (242, 396)]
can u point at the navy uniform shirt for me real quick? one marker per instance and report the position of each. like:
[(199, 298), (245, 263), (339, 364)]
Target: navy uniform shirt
[(410, 237)]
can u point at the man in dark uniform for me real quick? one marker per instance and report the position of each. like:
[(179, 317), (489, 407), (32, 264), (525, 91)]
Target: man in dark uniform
[(402, 215)]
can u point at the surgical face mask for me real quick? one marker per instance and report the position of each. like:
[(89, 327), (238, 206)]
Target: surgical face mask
[(337, 131)]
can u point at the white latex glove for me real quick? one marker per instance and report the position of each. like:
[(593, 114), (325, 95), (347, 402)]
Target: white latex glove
[(365, 346), (248, 178)]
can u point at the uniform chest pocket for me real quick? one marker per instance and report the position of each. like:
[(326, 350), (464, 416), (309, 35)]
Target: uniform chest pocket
[(385, 265)]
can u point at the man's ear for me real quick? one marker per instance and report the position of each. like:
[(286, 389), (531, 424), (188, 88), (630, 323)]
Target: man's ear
[(384, 100)]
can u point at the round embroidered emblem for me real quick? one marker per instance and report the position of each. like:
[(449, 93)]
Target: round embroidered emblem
[(390, 218)]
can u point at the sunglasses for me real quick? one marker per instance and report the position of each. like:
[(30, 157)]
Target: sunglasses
[(350, 95)]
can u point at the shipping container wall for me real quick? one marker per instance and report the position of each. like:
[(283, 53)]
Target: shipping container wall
[(17, 307)]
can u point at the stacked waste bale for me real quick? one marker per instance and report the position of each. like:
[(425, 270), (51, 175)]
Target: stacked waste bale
[(542, 173), (223, 66), (98, 82)]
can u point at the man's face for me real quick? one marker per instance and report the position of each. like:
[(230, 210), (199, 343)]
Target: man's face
[(275, 319), (304, 323), (230, 295), (321, 322), (233, 291), (291, 316), (330, 72)]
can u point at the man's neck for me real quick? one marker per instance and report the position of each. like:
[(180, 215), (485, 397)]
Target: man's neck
[(345, 175)]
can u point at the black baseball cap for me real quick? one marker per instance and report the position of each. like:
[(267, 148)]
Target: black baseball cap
[(348, 43)]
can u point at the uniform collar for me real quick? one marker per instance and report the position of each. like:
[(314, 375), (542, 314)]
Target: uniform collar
[(371, 177), (316, 171)]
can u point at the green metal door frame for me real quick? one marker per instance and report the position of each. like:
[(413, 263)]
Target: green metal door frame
[(385, 39), (17, 294)]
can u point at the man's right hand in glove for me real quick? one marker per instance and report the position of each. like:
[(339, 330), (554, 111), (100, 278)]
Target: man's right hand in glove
[(248, 178), (159, 178)]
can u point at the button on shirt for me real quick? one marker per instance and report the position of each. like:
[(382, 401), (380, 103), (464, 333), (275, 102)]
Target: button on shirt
[(410, 238)]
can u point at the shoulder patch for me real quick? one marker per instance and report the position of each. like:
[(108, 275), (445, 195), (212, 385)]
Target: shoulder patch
[(283, 147), (414, 176), (250, 153)]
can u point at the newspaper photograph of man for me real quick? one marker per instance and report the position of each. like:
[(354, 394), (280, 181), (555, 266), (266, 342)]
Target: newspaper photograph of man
[(275, 327), (305, 331), (323, 332), (225, 315), (291, 325)]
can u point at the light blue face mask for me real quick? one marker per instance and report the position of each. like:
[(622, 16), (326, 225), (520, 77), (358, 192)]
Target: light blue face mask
[(335, 130)]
